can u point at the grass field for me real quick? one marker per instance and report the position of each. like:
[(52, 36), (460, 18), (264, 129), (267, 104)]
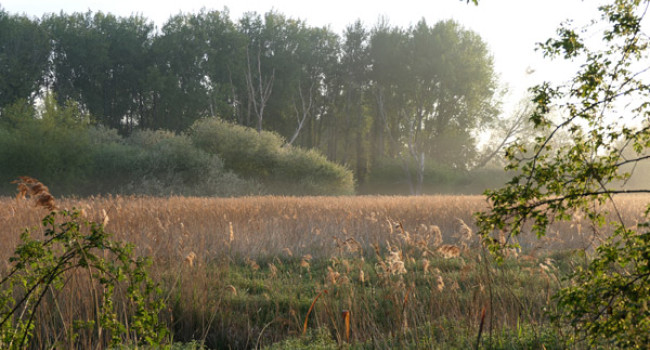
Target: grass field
[(409, 272)]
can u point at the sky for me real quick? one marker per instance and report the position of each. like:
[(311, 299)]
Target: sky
[(511, 28)]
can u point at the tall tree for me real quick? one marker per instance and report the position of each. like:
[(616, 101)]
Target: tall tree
[(454, 92), (390, 81), (264, 37), (101, 61), (316, 56), (355, 65), (433, 87), (197, 59), (225, 60), (24, 51)]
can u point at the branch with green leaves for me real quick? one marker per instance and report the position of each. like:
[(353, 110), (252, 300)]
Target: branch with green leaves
[(581, 164)]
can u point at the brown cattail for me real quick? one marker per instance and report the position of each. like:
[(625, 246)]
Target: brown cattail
[(332, 276), (437, 235), (28, 186), (230, 288), (304, 327), (253, 265), (46, 201), (287, 252), (425, 265), (304, 264)]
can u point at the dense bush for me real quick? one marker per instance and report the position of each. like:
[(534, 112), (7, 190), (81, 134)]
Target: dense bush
[(244, 150), (161, 163), (52, 147), (261, 156), (59, 145)]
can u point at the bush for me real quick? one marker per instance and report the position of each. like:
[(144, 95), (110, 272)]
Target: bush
[(308, 171), (162, 163), (52, 147), (243, 150), (58, 145), (262, 157)]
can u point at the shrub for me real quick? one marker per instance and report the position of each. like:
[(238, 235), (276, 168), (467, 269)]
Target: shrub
[(261, 156), (52, 147), (308, 171), (243, 150), (162, 163)]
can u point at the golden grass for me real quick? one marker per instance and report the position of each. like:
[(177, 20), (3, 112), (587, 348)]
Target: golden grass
[(185, 235), (177, 227)]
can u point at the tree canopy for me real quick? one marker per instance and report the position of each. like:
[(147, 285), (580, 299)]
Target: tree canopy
[(24, 51), (407, 94)]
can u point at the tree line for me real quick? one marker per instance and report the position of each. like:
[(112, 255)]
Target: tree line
[(411, 97)]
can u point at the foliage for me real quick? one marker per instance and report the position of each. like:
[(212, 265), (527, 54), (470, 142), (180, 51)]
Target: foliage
[(433, 86), (59, 144), (606, 115), (242, 149), (261, 156), (172, 164), (24, 51), (52, 146), (309, 172), (608, 300), (75, 253), (364, 95), (102, 62)]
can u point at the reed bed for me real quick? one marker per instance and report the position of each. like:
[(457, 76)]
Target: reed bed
[(245, 272), (262, 226)]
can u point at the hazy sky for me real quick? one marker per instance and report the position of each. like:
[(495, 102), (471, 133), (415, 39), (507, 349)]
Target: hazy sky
[(510, 27)]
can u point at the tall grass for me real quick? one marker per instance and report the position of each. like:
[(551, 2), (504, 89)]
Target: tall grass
[(243, 272)]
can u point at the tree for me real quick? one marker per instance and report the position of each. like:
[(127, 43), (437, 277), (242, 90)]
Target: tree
[(433, 87), (354, 71), (269, 44), (24, 50), (197, 68), (316, 57), (102, 62), (606, 109)]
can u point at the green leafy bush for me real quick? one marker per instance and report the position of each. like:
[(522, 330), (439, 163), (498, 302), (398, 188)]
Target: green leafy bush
[(308, 171), (59, 145), (607, 303), (162, 163), (243, 150), (261, 156), (52, 146)]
